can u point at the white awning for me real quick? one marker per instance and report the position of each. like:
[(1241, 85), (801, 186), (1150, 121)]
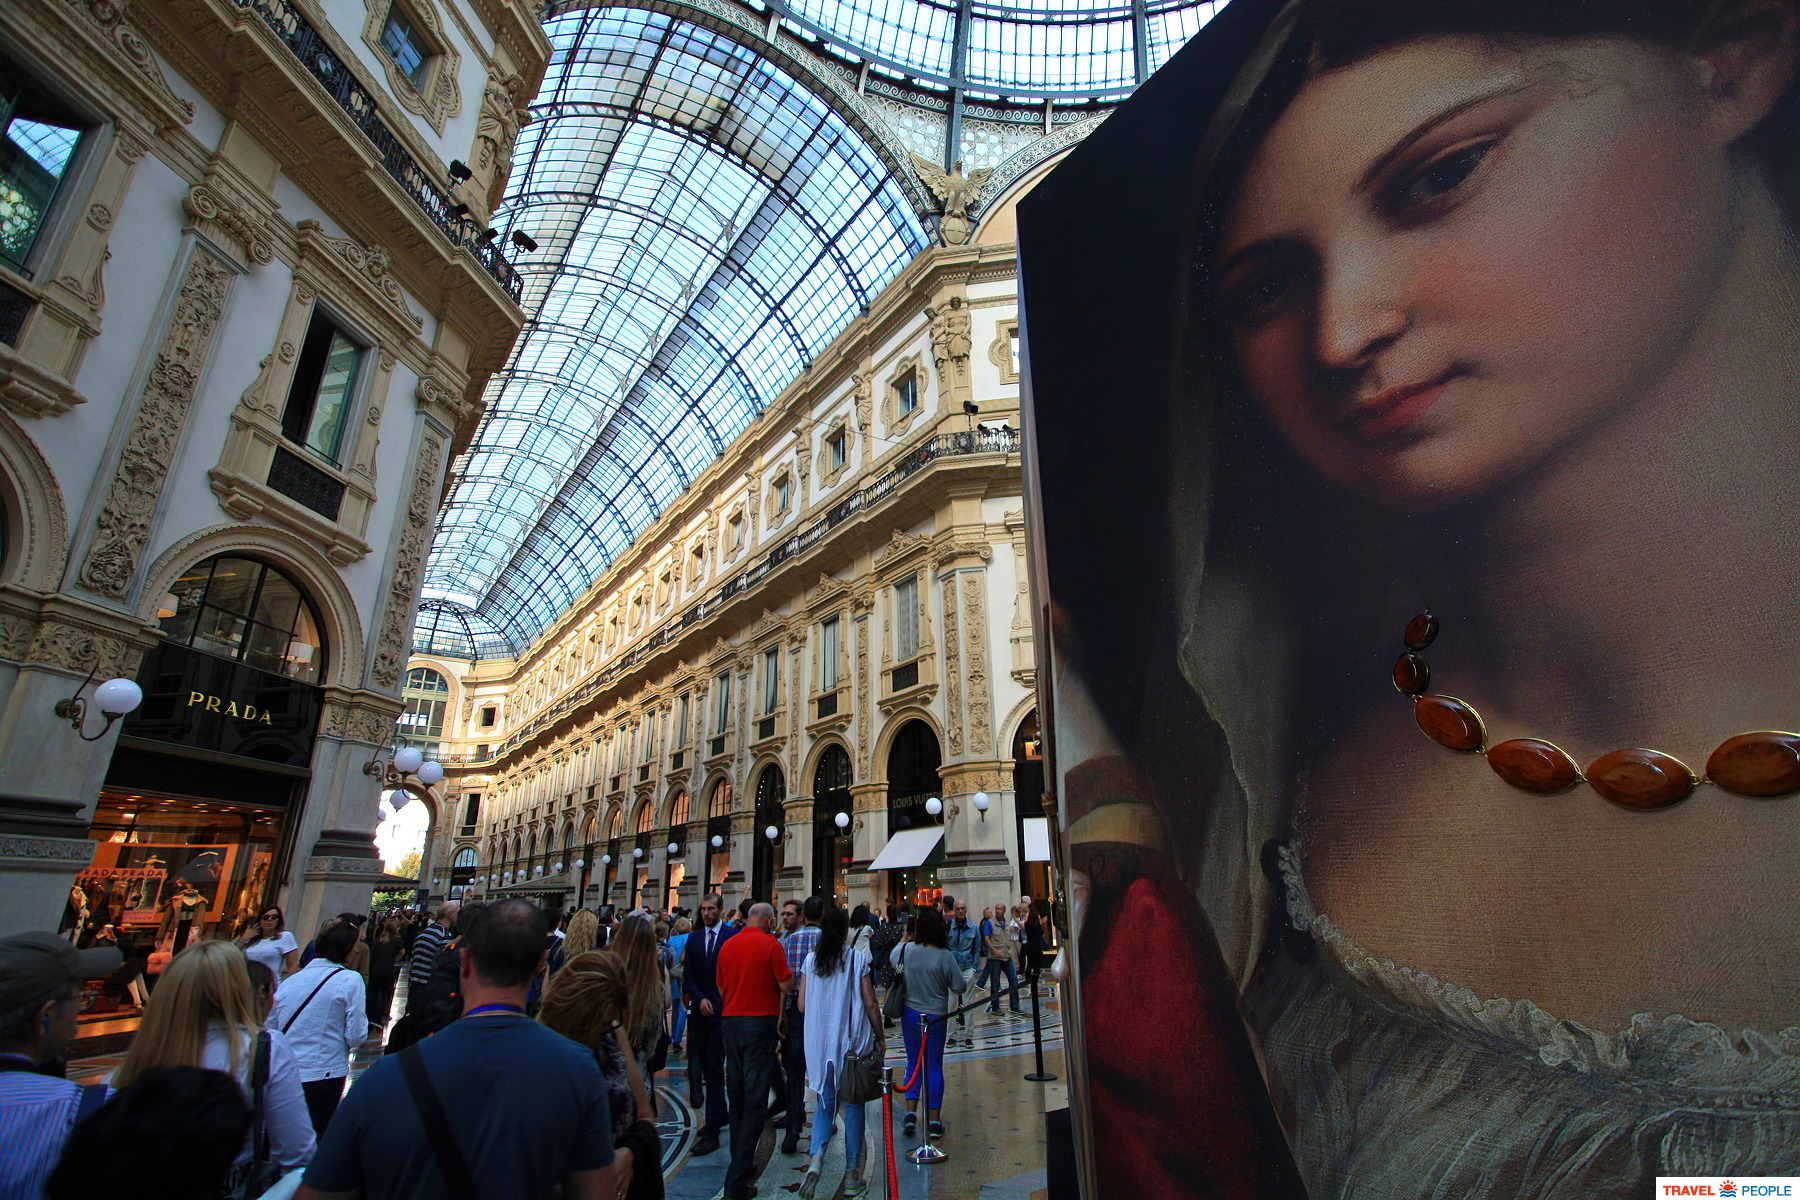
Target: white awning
[(908, 848), (1037, 839)]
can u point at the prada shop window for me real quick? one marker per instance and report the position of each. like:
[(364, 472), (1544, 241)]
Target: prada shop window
[(244, 610), (167, 871)]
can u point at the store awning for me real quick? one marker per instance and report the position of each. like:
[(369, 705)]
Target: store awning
[(1037, 839), (908, 848)]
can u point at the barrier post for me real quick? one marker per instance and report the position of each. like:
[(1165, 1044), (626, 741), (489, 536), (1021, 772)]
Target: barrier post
[(887, 1138), (1037, 1036)]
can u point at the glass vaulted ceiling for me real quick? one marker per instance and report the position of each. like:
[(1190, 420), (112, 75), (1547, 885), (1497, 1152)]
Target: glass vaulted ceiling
[(1061, 48), (705, 225)]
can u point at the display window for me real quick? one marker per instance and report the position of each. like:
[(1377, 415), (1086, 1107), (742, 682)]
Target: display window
[(167, 871)]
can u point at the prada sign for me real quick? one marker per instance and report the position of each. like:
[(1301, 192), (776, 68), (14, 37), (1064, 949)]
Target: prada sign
[(195, 699)]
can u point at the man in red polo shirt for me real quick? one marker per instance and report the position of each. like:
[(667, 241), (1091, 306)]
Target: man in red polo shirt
[(753, 975)]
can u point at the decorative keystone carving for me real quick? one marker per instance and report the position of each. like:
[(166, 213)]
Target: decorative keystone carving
[(210, 206)]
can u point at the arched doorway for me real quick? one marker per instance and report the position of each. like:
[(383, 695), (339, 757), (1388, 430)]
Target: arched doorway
[(1028, 806), (679, 816), (641, 850), (462, 873), (913, 779), (590, 852), (833, 845), (766, 856), (195, 820)]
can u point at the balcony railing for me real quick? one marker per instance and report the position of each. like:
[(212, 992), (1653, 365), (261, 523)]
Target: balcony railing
[(335, 76), (943, 445)]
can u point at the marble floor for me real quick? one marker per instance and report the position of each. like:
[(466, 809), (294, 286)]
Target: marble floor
[(994, 1122)]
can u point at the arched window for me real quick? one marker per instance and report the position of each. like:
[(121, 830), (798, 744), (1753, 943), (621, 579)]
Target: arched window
[(721, 799), (678, 809), (464, 857), (427, 694), (833, 771), (247, 611), (646, 817)]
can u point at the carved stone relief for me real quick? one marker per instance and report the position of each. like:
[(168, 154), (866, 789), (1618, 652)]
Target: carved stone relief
[(981, 718), (953, 714), (390, 652), (124, 522)]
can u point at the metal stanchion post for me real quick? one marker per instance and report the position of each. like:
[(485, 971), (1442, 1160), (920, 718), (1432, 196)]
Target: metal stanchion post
[(927, 1153), (1037, 1036)]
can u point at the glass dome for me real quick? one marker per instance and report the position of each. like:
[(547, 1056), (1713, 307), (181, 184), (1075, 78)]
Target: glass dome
[(705, 225), (1031, 48)]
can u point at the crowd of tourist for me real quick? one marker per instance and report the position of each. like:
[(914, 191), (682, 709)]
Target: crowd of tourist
[(560, 1025)]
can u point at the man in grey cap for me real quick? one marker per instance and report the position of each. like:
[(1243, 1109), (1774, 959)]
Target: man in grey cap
[(40, 993)]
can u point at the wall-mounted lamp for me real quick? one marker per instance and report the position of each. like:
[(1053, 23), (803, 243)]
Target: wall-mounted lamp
[(559, 866), (486, 236), (842, 820), (981, 805), (674, 849), (773, 833), (970, 407), (580, 863), (168, 606), (717, 842), (116, 697), (934, 806), (637, 852), (461, 210), (606, 860), (459, 170), (523, 241), (405, 761)]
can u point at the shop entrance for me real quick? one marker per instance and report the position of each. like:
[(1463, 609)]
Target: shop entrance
[(834, 844), (913, 780)]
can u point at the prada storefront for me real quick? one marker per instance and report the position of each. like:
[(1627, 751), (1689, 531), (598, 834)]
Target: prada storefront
[(194, 820)]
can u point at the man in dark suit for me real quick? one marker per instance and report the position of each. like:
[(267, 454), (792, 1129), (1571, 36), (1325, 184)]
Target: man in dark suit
[(706, 1043)]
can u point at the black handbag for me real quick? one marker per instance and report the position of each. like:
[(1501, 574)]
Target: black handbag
[(859, 1076), (893, 1007), (257, 1174)]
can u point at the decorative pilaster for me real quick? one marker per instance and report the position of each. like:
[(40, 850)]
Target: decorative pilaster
[(150, 443)]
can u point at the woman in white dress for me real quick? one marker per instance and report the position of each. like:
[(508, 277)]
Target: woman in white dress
[(842, 1017)]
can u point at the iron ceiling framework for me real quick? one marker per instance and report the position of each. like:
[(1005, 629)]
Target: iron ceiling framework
[(706, 221)]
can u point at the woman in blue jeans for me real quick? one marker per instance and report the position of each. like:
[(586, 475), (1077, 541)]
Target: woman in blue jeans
[(838, 999), (932, 979)]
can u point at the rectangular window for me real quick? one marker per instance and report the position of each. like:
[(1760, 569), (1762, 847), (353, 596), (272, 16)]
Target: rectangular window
[(471, 812), (400, 38), (784, 493), (771, 679), (489, 715), (906, 394), (828, 654), (318, 402), (681, 720), (41, 141), (906, 617), (721, 702), (837, 449), (737, 531)]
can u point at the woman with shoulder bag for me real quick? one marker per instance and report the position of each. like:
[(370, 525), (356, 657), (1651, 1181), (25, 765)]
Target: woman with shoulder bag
[(844, 1047), (205, 1013)]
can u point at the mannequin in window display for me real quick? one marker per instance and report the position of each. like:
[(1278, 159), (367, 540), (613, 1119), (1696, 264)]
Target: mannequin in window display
[(184, 915), (1492, 315)]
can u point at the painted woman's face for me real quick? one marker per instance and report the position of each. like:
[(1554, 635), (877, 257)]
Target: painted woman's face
[(1448, 261)]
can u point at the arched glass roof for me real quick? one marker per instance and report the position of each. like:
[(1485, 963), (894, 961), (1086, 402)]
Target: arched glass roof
[(705, 225), (1025, 48)]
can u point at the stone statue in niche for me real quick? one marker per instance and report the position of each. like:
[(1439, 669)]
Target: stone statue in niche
[(503, 114)]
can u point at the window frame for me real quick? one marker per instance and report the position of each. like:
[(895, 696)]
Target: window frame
[(353, 398), (907, 618), (59, 217)]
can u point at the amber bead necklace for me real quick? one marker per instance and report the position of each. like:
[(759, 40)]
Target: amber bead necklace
[(1761, 764)]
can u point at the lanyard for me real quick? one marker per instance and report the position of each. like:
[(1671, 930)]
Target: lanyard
[(512, 1009)]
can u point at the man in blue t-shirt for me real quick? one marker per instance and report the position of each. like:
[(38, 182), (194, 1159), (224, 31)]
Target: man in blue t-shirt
[(523, 1108)]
